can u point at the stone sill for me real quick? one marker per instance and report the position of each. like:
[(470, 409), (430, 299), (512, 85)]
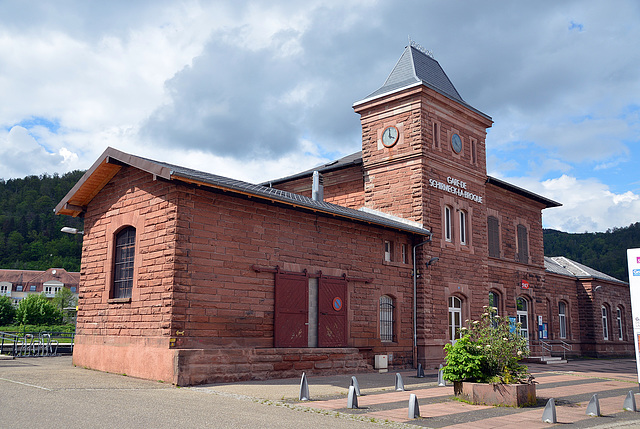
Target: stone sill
[(119, 300)]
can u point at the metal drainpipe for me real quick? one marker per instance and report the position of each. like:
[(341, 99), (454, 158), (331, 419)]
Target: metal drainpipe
[(415, 302)]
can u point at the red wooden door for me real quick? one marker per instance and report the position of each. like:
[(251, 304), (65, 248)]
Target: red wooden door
[(291, 310), (332, 312)]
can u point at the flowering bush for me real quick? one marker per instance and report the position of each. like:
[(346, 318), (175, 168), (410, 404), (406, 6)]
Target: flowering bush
[(488, 352)]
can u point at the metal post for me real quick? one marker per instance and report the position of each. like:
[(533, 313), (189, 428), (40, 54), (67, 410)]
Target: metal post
[(415, 302)]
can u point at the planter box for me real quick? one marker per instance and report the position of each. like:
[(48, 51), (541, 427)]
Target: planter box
[(511, 395)]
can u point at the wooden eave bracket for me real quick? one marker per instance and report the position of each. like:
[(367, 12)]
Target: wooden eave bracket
[(75, 208)]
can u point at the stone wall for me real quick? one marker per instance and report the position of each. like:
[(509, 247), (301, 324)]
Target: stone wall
[(197, 291)]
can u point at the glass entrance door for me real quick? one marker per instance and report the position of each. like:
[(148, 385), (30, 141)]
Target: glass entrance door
[(523, 317)]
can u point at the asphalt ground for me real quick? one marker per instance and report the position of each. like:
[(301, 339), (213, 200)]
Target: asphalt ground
[(52, 393)]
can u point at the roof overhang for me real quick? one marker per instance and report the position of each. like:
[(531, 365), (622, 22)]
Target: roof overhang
[(112, 160), (95, 178), (520, 191)]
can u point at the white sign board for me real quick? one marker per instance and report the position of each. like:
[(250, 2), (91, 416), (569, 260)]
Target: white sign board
[(633, 259)]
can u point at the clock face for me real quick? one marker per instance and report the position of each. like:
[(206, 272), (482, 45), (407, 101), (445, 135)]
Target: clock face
[(390, 136), (456, 143)]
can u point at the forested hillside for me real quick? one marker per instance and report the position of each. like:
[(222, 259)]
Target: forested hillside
[(604, 251), (30, 236)]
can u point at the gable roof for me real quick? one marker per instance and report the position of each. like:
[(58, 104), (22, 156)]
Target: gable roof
[(416, 68), (39, 277), (345, 161), (565, 266), (112, 160), (356, 159)]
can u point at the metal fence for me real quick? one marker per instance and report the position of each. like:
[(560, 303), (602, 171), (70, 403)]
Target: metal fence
[(36, 344)]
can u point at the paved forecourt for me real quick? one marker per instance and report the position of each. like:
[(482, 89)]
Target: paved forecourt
[(51, 392), (571, 385)]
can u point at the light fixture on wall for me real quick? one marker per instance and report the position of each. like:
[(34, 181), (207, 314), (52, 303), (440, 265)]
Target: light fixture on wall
[(597, 288), (69, 230), (432, 261)]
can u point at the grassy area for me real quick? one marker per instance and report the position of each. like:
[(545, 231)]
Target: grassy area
[(62, 333)]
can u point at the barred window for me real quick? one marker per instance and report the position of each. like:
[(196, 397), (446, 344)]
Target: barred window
[(386, 318), (123, 263)]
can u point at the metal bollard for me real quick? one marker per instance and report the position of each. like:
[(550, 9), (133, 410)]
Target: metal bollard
[(549, 413), (399, 383), (414, 407), (356, 386), (352, 399), (593, 409), (304, 388)]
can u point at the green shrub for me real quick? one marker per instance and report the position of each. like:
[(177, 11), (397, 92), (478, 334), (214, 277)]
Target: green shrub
[(7, 311), (488, 352), (464, 361)]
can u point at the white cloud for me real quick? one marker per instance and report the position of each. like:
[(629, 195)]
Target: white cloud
[(21, 153), (258, 90), (587, 205)]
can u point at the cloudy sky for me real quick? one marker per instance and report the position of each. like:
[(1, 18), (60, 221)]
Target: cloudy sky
[(259, 90)]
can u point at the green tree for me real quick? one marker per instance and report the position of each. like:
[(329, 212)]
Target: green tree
[(7, 311), (30, 235), (38, 310), (65, 299)]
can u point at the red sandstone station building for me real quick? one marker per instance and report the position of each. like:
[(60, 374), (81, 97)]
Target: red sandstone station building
[(190, 277)]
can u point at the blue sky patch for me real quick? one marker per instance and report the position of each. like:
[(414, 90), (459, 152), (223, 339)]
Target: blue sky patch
[(36, 121), (575, 26)]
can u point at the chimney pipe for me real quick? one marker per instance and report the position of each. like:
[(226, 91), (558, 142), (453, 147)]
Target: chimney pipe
[(317, 190)]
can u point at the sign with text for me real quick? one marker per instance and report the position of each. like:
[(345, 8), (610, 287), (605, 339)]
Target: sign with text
[(456, 187), (633, 259)]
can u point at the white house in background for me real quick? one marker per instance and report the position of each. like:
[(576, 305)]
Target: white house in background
[(18, 284)]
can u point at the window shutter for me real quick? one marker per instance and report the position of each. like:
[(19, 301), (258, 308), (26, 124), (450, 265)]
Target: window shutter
[(523, 253), (494, 237)]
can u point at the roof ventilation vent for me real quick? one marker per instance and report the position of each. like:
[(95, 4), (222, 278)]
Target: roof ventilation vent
[(317, 189)]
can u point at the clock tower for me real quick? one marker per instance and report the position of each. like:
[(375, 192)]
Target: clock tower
[(418, 133), (423, 156)]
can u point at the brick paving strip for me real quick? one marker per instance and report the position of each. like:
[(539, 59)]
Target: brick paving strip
[(572, 392)]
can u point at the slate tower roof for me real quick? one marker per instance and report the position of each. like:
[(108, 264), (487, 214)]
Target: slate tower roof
[(417, 68)]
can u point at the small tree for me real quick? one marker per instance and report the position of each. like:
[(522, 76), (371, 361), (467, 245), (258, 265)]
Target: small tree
[(65, 299), (489, 351), (38, 310), (7, 311)]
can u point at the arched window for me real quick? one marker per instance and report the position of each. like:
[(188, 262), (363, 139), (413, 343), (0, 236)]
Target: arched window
[(123, 262), (386, 318), (605, 323), (619, 320), (455, 318), (562, 319), (523, 317), (448, 223), (494, 301)]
